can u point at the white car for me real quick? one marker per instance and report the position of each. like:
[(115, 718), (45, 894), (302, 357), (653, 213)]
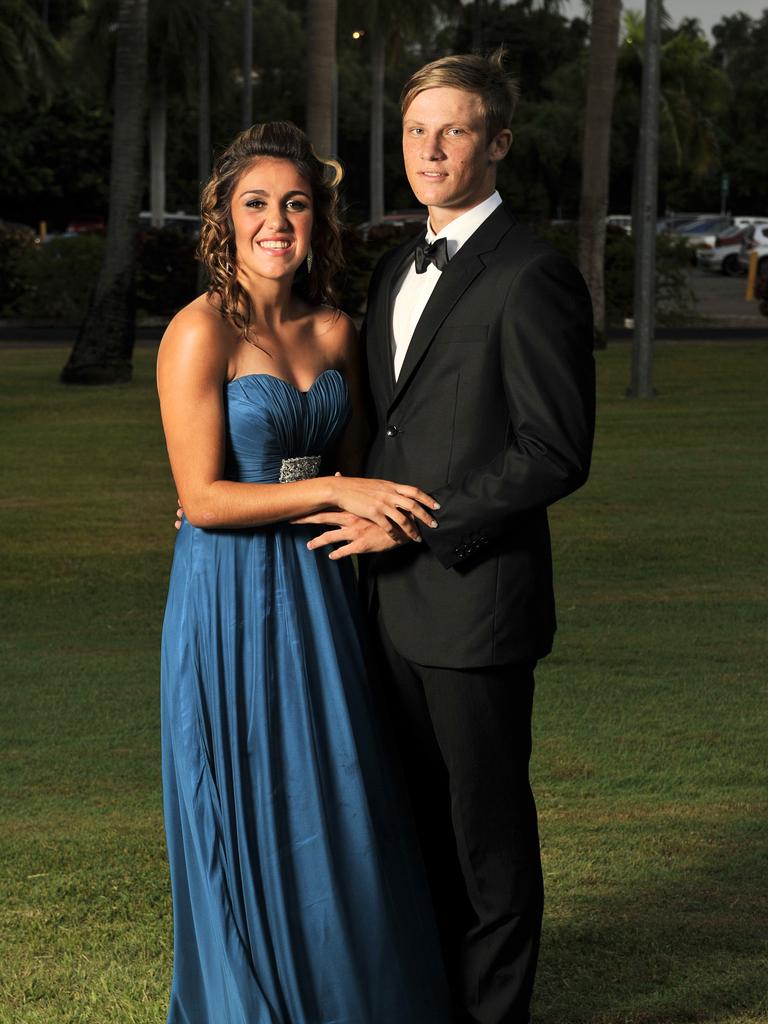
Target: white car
[(755, 240), (723, 255), (703, 230), (620, 220)]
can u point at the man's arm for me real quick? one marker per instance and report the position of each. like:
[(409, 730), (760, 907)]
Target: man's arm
[(548, 374), (549, 380)]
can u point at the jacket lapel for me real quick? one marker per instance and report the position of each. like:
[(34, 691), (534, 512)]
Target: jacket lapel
[(466, 265), (379, 319)]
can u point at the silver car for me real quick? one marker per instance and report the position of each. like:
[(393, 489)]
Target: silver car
[(755, 240), (723, 254)]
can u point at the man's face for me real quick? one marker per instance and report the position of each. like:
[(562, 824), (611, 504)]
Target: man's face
[(450, 164)]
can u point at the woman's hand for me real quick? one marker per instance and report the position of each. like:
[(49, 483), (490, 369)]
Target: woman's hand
[(391, 506)]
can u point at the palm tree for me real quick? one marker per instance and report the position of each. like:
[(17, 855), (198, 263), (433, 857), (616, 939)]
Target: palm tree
[(172, 28), (321, 73), (246, 119), (390, 23), (693, 92), (104, 346), (603, 53), (376, 141), (29, 56)]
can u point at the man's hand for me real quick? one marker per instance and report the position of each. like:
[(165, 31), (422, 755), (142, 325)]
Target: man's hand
[(357, 536), (179, 514)]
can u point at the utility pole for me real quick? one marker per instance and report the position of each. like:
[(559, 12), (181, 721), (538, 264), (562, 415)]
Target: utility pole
[(641, 384)]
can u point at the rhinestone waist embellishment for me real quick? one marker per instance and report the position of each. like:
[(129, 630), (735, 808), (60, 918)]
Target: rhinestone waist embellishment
[(300, 468)]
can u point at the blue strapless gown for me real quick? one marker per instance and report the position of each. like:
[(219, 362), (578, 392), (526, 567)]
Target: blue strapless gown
[(297, 892)]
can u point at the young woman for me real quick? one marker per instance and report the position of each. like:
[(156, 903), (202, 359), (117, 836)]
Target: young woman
[(298, 896)]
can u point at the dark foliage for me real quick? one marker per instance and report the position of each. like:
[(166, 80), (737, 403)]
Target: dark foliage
[(53, 282), (167, 277), (673, 295), (361, 256), (15, 241)]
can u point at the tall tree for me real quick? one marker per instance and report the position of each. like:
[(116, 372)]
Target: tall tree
[(595, 175), (158, 132), (246, 118), (694, 91), (204, 92), (390, 24), (376, 143), (104, 346), (171, 33), (741, 46), (29, 56), (321, 73)]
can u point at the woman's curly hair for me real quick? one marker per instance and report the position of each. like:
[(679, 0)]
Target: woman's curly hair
[(216, 248)]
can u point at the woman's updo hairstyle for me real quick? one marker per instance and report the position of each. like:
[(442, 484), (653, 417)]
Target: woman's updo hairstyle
[(216, 248)]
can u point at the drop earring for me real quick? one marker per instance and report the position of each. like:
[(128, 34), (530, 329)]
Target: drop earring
[(310, 257)]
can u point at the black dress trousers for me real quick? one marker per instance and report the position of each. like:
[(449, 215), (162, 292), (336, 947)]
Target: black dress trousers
[(464, 742)]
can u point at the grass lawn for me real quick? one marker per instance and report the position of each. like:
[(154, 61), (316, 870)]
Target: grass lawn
[(650, 757)]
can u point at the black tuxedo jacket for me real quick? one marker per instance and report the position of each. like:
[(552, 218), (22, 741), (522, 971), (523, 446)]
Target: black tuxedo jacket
[(493, 414)]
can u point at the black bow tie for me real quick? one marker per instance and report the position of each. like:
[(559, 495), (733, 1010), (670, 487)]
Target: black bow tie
[(436, 253)]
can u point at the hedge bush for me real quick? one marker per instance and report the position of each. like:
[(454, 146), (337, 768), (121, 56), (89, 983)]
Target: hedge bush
[(15, 241), (674, 298), (54, 281)]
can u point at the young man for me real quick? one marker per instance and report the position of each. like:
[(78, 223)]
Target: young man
[(479, 349)]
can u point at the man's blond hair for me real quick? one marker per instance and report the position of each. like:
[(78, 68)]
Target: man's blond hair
[(486, 77)]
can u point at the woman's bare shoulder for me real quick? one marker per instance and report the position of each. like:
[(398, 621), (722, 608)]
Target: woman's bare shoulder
[(334, 331), (198, 333), (199, 317)]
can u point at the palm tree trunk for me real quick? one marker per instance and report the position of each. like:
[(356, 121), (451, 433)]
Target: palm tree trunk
[(477, 26), (158, 131), (376, 172), (595, 175), (203, 95), (203, 111), (104, 346), (246, 116), (321, 70)]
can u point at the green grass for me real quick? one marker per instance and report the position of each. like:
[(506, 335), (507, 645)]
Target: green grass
[(650, 755)]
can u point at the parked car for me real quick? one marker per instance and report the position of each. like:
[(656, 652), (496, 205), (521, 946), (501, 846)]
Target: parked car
[(723, 256), (703, 230), (742, 220), (86, 227), (184, 223), (395, 219), (620, 220), (755, 240)]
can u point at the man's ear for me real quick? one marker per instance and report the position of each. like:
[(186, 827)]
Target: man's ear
[(499, 146)]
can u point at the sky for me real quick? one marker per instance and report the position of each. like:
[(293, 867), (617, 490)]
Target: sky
[(709, 12)]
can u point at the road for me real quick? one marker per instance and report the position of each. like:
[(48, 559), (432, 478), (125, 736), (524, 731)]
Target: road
[(721, 299)]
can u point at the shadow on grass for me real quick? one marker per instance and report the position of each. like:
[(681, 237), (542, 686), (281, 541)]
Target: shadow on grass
[(690, 945)]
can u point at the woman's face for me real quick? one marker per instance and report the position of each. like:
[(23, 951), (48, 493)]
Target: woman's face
[(272, 216)]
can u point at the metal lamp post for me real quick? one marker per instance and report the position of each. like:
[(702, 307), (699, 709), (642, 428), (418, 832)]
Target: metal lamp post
[(641, 384)]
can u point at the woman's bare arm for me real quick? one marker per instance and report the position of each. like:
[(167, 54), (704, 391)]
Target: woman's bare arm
[(191, 374)]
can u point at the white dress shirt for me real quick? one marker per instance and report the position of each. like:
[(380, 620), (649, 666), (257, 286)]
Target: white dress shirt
[(414, 290)]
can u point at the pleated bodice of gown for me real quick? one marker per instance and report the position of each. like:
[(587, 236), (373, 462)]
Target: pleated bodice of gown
[(297, 890)]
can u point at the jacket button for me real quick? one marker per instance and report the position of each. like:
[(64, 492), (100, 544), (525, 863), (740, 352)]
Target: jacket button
[(392, 430)]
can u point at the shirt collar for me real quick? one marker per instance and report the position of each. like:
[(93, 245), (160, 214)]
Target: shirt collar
[(460, 229)]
